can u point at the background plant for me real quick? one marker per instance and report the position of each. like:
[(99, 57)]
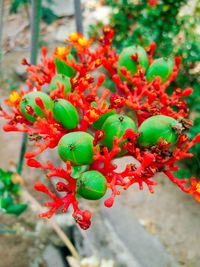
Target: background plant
[(47, 14), (10, 185)]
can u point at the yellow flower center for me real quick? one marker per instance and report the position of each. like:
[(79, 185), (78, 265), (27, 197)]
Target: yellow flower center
[(61, 51), (14, 96), (98, 61), (74, 36), (82, 41), (94, 114), (118, 100), (198, 188)]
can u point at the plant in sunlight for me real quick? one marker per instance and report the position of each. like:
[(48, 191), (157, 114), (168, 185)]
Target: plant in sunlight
[(67, 106)]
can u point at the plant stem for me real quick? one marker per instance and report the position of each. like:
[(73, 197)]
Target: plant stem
[(36, 9), (1, 33), (78, 16), (22, 153)]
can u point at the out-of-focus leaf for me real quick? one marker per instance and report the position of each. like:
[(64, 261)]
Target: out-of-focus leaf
[(16, 4), (5, 202), (63, 68), (16, 209), (6, 177)]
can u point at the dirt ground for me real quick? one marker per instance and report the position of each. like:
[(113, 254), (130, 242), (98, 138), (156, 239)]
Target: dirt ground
[(169, 214), (172, 216)]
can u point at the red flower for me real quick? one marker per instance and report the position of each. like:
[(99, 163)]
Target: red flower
[(153, 2), (195, 189)]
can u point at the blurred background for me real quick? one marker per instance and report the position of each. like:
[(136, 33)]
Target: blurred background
[(141, 230)]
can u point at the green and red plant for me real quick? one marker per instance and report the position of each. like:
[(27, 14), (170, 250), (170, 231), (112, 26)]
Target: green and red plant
[(87, 150), (174, 28)]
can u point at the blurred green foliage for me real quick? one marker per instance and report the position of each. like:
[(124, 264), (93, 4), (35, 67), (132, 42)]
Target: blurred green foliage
[(175, 33), (16, 4), (47, 15), (8, 192)]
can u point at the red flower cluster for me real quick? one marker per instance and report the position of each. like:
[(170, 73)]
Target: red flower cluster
[(135, 93), (153, 2)]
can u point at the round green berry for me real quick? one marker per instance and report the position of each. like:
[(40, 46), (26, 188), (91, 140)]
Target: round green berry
[(115, 126), (160, 67), (126, 61), (65, 113), (62, 80), (29, 101), (76, 147), (156, 127), (91, 185)]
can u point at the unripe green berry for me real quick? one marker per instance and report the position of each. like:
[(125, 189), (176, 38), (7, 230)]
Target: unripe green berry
[(156, 127), (76, 147), (29, 100), (91, 185), (126, 61), (65, 113)]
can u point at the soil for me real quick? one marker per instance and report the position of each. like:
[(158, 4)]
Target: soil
[(169, 214)]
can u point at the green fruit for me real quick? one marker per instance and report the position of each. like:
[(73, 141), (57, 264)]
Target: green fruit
[(160, 67), (91, 185), (29, 100), (126, 61), (63, 80), (99, 123), (116, 125), (76, 147), (63, 68), (155, 127), (65, 113)]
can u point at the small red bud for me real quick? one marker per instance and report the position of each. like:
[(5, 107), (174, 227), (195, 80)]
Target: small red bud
[(109, 202)]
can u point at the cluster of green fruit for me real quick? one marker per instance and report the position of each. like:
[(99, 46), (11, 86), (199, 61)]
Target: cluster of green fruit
[(161, 67), (77, 146), (174, 32), (63, 111)]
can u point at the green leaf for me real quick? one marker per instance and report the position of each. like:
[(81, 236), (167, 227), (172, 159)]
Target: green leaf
[(15, 188), (6, 177), (48, 16), (5, 202), (16, 209), (63, 68), (16, 4)]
